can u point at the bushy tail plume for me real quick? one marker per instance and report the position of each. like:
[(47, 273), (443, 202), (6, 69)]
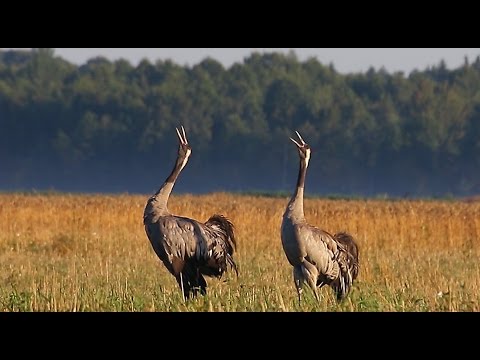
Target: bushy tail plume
[(225, 227), (347, 258)]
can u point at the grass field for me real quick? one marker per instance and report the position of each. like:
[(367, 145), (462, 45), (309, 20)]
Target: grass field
[(90, 253)]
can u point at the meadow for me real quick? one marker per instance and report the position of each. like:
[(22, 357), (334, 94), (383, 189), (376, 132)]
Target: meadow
[(66, 252)]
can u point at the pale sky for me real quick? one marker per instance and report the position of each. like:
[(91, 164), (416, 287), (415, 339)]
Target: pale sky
[(345, 60)]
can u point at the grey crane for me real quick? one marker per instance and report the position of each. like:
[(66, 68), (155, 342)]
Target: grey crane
[(189, 249), (317, 257)]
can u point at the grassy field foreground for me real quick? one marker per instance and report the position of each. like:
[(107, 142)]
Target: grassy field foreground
[(90, 253)]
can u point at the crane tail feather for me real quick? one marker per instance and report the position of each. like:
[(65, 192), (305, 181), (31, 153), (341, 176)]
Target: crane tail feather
[(225, 231), (347, 259)]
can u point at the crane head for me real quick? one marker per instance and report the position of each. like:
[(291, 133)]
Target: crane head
[(303, 148), (184, 149)]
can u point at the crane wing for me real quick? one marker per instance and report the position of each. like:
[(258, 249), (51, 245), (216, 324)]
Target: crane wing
[(320, 250), (183, 238), (315, 238), (208, 245)]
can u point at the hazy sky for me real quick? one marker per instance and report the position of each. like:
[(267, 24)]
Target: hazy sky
[(344, 60)]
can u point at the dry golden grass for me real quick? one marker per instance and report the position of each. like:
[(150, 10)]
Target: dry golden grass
[(90, 253)]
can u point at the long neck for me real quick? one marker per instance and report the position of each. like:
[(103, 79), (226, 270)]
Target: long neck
[(295, 206), (162, 195)]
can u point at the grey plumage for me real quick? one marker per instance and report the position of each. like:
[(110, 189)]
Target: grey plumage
[(318, 258), (189, 249)]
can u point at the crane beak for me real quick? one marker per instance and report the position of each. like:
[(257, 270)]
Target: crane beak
[(183, 139), (300, 137), (302, 143)]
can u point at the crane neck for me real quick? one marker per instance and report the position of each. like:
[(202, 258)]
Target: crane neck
[(295, 206), (162, 195)]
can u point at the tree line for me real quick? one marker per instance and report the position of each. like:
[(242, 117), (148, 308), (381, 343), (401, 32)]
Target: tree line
[(108, 126)]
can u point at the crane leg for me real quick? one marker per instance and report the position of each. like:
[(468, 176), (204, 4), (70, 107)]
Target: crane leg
[(298, 279), (184, 283), (203, 284), (179, 269), (197, 281), (310, 274), (181, 286)]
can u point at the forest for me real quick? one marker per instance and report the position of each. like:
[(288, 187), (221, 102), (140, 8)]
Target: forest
[(109, 126)]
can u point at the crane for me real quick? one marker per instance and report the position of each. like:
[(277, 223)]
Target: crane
[(189, 249), (318, 258)]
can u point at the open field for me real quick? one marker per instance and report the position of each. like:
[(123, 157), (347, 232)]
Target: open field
[(90, 253)]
